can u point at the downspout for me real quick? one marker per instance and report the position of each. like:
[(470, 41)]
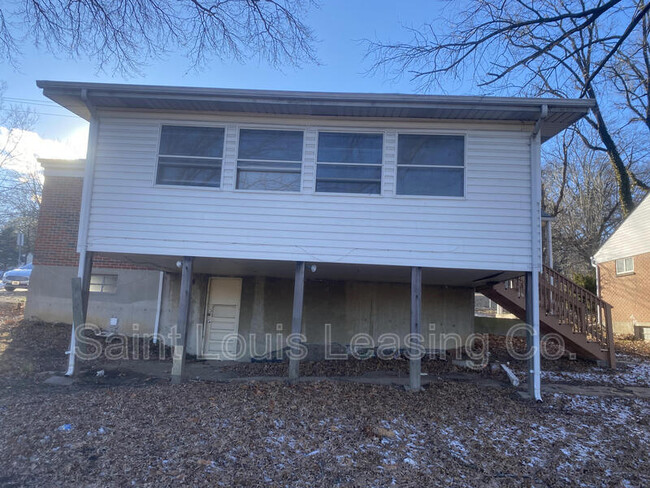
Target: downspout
[(84, 214), (535, 366), (595, 265), (600, 311), (549, 243), (156, 325)]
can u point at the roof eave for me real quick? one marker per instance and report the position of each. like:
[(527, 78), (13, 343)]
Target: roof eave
[(432, 107)]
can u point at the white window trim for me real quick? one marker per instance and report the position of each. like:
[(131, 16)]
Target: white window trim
[(351, 130), (625, 271), (309, 161), (463, 134), (270, 128), (189, 123)]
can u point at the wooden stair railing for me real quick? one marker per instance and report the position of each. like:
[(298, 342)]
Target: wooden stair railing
[(565, 307)]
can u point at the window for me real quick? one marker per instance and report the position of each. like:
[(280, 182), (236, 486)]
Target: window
[(624, 266), (269, 160), (190, 156), (431, 165), (349, 163), (103, 283)]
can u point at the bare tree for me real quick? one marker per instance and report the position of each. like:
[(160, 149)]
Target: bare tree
[(124, 34), (14, 120), (537, 48), (580, 192), (20, 192)]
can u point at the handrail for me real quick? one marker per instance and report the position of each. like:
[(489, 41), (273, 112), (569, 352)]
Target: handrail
[(572, 305)]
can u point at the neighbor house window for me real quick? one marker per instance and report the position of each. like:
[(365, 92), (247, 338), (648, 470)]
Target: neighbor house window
[(431, 165), (103, 283), (349, 163), (269, 160), (624, 266), (190, 156)]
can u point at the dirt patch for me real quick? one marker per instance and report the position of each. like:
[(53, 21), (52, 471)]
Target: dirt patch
[(126, 428), (28, 348), (324, 434), (634, 347)]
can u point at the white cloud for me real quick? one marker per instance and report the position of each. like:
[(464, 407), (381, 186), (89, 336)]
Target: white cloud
[(27, 146)]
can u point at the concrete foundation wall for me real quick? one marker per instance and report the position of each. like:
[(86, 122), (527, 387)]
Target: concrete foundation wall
[(350, 307), (498, 326), (49, 298)]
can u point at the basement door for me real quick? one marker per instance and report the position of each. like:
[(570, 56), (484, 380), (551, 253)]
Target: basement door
[(222, 318)]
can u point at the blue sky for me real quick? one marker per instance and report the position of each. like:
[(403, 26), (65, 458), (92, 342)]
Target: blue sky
[(338, 25)]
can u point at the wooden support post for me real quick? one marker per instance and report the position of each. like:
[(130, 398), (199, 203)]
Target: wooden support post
[(86, 272), (611, 351), (80, 294), (183, 320), (415, 362), (85, 281), (296, 319), (533, 336), (78, 324)]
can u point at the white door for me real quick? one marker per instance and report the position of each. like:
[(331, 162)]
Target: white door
[(222, 318)]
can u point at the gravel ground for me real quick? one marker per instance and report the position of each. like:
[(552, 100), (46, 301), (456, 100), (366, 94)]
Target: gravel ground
[(151, 433)]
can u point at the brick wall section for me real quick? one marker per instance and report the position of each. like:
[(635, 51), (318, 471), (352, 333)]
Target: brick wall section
[(627, 294), (58, 225)]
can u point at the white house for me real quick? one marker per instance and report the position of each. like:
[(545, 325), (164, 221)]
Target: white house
[(623, 272), (308, 212)]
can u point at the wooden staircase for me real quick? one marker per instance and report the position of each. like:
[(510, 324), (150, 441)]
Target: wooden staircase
[(582, 319)]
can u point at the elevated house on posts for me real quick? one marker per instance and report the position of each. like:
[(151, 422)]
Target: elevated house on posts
[(323, 214)]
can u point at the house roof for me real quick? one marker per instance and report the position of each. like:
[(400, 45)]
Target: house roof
[(77, 96), (62, 167), (632, 237)]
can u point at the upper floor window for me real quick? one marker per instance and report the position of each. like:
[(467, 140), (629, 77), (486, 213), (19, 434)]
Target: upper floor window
[(349, 162), (190, 156), (431, 165), (269, 160), (624, 266)]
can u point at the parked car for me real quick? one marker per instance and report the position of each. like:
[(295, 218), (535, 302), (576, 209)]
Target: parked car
[(17, 278)]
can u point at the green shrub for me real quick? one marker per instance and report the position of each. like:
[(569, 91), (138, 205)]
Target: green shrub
[(587, 281)]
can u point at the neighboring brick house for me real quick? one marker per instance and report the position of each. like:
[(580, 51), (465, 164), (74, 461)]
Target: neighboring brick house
[(119, 289), (623, 265)]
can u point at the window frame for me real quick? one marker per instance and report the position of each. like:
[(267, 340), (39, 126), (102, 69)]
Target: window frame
[(424, 132), (269, 128), (190, 123), (351, 130), (101, 291), (624, 261)]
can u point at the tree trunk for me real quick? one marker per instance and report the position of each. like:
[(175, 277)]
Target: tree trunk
[(622, 176)]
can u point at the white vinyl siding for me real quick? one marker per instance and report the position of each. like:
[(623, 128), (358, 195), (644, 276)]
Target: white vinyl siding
[(489, 228), (631, 238)]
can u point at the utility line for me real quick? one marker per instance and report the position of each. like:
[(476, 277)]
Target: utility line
[(40, 103)]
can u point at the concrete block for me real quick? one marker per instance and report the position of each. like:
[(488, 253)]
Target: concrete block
[(59, 381)]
